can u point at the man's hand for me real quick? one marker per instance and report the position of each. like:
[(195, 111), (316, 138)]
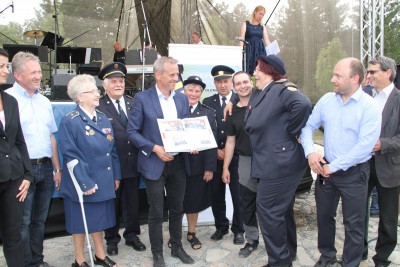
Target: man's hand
[(194, 152), (315, 160), (116, 184), (207, 176), (220, 154), (164, 156), (377, 146), (226, 176), (57, 180), (327, 171), (228, 109), (23, 190)]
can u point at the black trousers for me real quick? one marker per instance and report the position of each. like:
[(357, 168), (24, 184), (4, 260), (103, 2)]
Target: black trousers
[(351, 186), (218, 203), (11, 212), (173, 179), (127, 204), (388, 201), (275, 201)]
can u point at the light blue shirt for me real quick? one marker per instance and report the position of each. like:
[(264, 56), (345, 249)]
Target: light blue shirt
[(37, 121), (168, 105), (351, 129)]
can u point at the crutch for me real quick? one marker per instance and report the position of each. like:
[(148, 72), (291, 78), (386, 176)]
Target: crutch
[(70, 166)]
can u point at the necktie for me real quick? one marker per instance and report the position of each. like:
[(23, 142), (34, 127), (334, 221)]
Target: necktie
[(94, 119), (1, 126), (122, 116), (223, 102), (191, 109)]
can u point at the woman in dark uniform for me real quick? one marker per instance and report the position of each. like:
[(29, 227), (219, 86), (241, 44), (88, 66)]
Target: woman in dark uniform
[(15, 173), (275, 116), (202, 165), (86, 134)]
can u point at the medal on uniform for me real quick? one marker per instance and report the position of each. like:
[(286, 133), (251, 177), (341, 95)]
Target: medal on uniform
[(91, 132), (109, 137), (87, 127), (87, 133)]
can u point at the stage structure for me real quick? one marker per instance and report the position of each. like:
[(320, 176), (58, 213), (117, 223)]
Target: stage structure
[(372, 29)]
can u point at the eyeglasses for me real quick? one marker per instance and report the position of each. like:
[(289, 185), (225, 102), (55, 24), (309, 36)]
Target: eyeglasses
[(92, 92), (372, 72)]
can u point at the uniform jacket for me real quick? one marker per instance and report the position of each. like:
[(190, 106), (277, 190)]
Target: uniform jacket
[(214, 103), (206, 160), (143, 129), (127, 153), (273, 121), (93, 146), (14, 157), (387, 160)]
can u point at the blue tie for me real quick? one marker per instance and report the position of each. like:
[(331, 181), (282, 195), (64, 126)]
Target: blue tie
[(122, 116)]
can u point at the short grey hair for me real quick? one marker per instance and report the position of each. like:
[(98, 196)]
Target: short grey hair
[(78, 84), (159, 65), (386, 63), (20, 58)]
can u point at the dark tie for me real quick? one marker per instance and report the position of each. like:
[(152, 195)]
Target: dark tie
[(223, 102), (191, 109), (122, 116), (94, 119), (1, 126)]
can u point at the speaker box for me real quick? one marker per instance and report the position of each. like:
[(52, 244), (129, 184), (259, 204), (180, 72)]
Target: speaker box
[(59, 85)]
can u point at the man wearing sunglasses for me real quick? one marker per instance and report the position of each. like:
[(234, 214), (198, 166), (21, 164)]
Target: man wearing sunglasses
[(385, 163)]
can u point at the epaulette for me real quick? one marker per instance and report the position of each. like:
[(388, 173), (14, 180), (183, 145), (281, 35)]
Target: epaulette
[(99, 111), (208, 107), (72, 114), (129, 96), (281, 81), (291, 86)]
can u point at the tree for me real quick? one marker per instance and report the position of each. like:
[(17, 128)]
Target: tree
[(392, 30), (326, 61)]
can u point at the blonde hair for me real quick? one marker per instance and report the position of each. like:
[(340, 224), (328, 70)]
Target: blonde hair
[(257, 9)]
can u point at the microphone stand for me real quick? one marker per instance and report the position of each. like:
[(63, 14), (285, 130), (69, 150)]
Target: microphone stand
[(56, 32), (244, 57), (145, 34)]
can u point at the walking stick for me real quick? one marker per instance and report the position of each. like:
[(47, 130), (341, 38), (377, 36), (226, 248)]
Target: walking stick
[(70, 166)]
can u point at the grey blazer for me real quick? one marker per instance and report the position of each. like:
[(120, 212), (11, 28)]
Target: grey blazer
[(387, 160)]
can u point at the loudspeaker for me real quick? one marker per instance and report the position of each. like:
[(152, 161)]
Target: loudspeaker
[(91, 69), (59, 85), (40, 51), (49, 39)]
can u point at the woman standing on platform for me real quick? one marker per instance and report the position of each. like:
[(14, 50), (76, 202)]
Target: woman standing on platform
[(86, 134), (15, 173), (202, 165), (253, 32)]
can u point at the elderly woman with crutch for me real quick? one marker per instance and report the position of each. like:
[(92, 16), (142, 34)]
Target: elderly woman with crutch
[(87, 146)]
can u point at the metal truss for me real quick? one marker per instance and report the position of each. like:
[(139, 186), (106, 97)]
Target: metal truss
[(371, 29)]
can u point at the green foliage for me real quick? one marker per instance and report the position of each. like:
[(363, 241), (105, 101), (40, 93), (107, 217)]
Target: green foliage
[(392, 30), (326, 61)]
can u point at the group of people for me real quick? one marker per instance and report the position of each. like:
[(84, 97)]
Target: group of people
[(262, 150)]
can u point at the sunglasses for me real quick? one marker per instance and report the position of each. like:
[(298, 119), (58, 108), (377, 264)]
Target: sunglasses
[(372, 72)]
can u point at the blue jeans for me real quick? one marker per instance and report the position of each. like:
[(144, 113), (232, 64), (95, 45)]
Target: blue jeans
[(374, 209), (37, 205)]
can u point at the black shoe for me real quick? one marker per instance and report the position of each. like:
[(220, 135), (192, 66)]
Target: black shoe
[(218, 235), (238, 239), (329, 263), (248, 249), (158, 260), (106, 262), (178, 252), (136, 244), (112, 249), (287, 265), (84, 264)]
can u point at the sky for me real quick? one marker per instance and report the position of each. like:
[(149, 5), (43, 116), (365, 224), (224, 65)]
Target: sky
[(24, 9)]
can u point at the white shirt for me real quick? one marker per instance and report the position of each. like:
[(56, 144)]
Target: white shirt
[(167, 105), (121, 103), (88, 114), (3, 119), (382, 97), (37, 121), (194, 107)]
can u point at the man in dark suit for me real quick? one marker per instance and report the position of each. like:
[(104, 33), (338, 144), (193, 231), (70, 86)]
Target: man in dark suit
[(223, 83), (159, 168), (15, 175), (384, 165), (116, 106)]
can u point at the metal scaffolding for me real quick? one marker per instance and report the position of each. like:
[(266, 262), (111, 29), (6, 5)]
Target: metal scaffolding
[(372, 29)]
